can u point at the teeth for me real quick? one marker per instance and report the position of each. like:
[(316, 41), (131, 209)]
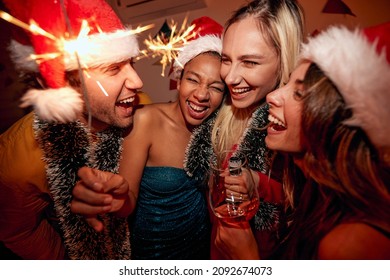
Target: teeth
[(195, 107), (128, 100), (275, 120), (240, 90)]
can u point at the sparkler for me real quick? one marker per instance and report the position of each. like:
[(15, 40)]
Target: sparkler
[(68, 35), (67, 47), (168, 48), (32, 27)]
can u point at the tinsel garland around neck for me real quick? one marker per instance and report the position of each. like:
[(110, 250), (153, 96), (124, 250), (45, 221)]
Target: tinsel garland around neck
[(200, 153), (66, 148)]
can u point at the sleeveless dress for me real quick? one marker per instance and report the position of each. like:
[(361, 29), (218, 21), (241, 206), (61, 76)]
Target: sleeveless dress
[(171, 220)]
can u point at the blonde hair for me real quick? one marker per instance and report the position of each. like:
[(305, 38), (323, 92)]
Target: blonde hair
[(281, 22)]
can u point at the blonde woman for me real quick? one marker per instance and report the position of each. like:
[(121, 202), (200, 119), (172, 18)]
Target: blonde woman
[(260, 47)]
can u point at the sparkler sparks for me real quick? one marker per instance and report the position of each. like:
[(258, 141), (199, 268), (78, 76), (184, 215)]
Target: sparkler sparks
[(32, 27), (68, 48), (167, 48)]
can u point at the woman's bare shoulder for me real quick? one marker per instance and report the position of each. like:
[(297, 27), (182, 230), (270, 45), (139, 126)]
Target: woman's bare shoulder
[(152, 109), (147, 113), (354, 241)]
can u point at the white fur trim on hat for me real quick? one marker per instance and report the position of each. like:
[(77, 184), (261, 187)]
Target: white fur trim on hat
[(102, 49), (193, 49), (97, 50), (59, 105), (361, 75)]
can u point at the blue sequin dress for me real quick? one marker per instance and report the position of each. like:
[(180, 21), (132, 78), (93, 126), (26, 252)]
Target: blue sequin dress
[(171, 220)]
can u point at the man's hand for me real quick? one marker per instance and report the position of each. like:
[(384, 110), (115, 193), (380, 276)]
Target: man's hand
[(98, 192)]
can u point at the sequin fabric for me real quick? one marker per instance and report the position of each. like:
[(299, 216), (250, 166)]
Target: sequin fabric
[(171, 220)]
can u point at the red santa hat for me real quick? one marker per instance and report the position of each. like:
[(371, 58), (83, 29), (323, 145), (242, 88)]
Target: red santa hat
[(357, 62), (207, 38), (79, 32)]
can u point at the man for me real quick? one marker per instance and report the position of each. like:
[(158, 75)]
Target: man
[(83, 59)]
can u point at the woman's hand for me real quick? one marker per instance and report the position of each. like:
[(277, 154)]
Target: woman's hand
[(235, 240), (241, 187)]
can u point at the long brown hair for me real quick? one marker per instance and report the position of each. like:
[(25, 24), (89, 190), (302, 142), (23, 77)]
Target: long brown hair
[(343, 178)]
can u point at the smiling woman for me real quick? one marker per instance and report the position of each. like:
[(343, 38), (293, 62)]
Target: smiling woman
[(337, 179), (256, 59), (170, 220), (284, 131), (168, 211)]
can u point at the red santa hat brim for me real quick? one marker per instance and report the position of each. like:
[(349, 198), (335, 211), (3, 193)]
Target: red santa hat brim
[(207, 39), (194, 48)]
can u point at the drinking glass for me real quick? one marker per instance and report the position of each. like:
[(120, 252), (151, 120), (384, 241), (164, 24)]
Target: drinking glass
[(224, 203)]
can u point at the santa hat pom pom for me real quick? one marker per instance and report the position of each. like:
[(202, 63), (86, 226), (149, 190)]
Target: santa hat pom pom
[(48, 108)]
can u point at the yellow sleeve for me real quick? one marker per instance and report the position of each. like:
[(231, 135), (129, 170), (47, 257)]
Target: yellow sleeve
[(143, 98)]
